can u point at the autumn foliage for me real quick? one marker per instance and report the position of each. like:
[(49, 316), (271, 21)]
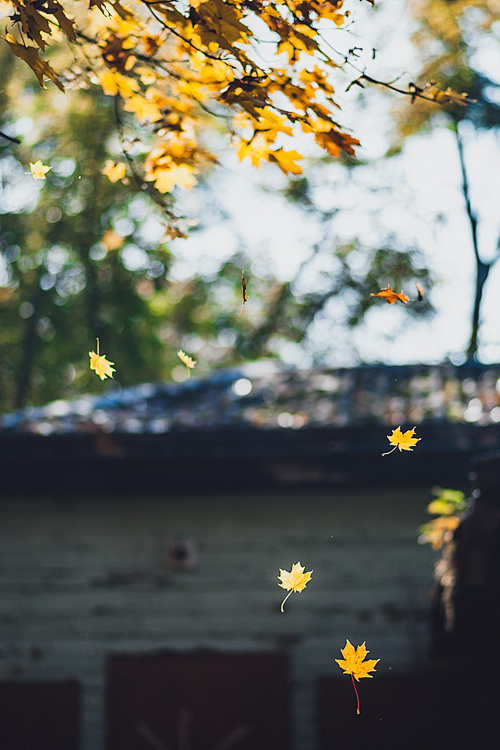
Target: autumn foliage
[(172, 65)]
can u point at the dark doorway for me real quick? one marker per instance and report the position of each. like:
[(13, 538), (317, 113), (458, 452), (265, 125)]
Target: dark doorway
[(40, 715), (198, 701), (399, 713)]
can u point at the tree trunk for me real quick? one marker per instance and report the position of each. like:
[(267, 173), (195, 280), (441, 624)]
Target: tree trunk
[(482, 268)]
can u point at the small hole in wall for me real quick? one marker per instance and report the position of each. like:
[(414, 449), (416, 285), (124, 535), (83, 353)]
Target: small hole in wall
[(180, 554)]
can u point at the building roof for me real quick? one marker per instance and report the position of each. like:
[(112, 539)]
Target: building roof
[(270, 426), (251, 397)]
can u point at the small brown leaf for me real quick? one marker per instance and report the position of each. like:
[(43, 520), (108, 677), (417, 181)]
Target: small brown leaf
[(243, 292)]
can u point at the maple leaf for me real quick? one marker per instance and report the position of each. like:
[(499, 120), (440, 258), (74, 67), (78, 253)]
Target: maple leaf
[(145, 110), (190, 363), (405, 442), (243, 293), (100, 364), (353, 664), (167, 176), (391, 296), (39, 170), (286, 160), (116, 83), (30, 56), (294, 581), (114, 171), (256, 149)]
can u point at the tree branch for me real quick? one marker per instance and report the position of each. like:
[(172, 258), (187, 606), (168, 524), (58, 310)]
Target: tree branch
[(9, 138), (482, 268), (465, 189)]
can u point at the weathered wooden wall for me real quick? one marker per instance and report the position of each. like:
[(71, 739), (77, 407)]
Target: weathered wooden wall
[(84, 578)]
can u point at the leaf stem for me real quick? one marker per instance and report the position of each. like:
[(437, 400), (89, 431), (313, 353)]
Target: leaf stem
[(389, 452), (97, 347), (284, 600), (354, 686)]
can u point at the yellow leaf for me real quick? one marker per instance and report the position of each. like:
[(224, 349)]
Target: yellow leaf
[(190, 363), (295, 580), (405, 442), (171, 175), (270, 121), (39, 170), (113, 83), (256, 149), (145, 111), (114, 171), (353, 663), (286, 160), (441, 508), (100, 364)]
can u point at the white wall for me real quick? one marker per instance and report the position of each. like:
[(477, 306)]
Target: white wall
[(80, 579)]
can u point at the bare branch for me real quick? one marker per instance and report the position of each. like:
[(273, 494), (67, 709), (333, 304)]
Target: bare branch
[(9, 138)]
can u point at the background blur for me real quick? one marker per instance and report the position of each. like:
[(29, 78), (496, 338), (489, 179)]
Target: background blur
[(145, 518)]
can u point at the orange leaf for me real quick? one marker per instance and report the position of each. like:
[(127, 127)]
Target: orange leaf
[(391, 296)]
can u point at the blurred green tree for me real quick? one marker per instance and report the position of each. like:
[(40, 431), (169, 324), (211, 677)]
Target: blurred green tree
[(83, 257)]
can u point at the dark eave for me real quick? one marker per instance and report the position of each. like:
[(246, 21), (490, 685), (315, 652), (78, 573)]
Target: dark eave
[(237, 459)]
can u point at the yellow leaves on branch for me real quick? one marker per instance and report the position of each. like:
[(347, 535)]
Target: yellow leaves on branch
[(100, 364), (172, 63), (39, 170), (447, 506), (190, 363), (439, 530), (353, 663), (294, 581), (403, 441)]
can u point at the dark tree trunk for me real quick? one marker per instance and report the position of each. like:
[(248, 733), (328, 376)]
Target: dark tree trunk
[(482, 268), (29, 345)]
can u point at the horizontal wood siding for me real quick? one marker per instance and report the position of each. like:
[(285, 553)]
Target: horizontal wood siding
[(84, 579)]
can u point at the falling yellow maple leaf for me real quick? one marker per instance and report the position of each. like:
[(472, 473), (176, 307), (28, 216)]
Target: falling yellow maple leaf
[(39, 170), (188, 361), (100, 364), (295, 580), (114, 171), (403, 441), (353, 664)]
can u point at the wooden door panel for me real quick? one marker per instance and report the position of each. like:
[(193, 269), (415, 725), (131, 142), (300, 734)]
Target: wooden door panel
[(198, 701)]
